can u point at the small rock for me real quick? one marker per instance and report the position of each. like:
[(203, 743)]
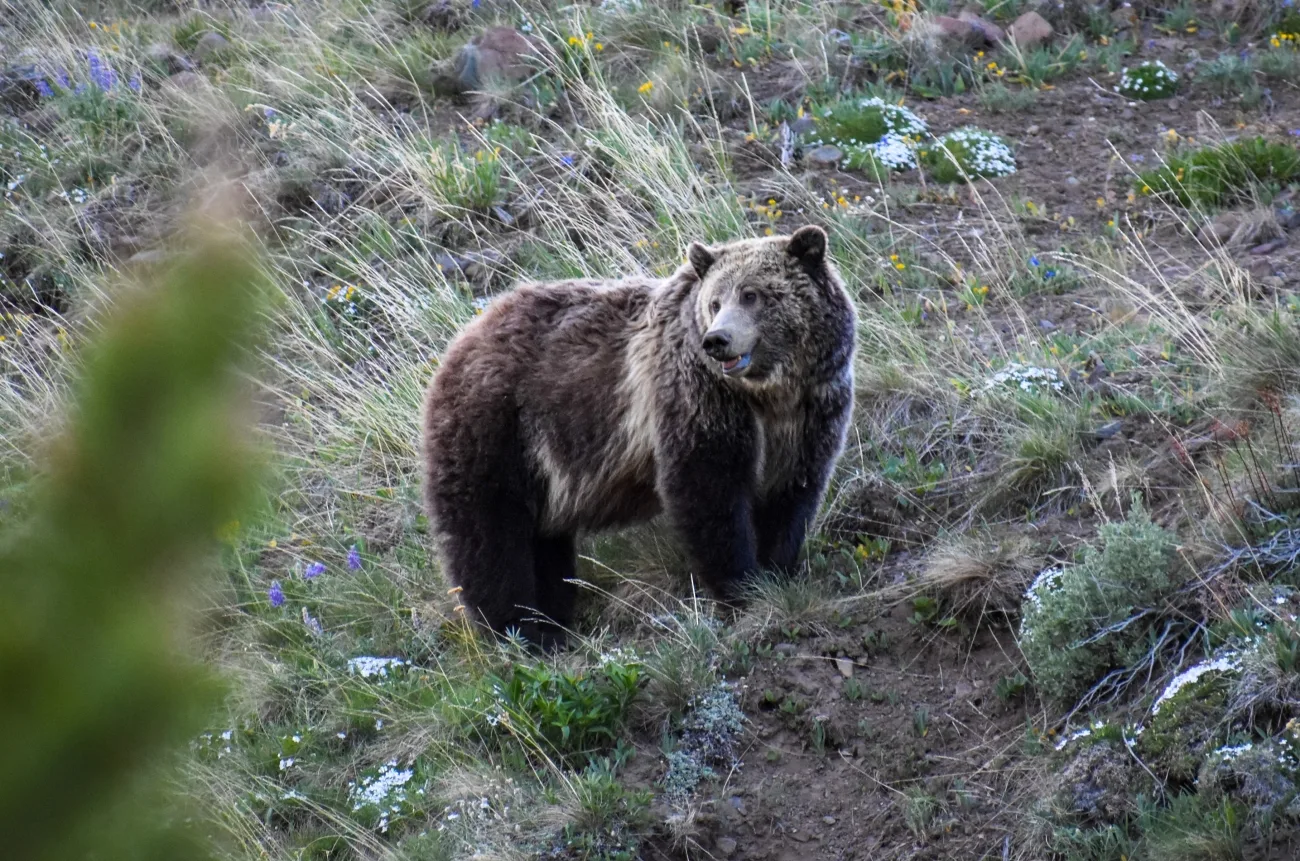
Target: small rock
[(1071, 180), (739, 803), (829, 820), (963, 690), (1033, 130), (445, 16), (209, 45), (991, 33), (188, 82), (802, 125), (1047, 325), (1030, 30), (496, 54), (42, 120), (1287, 217), (824, 157), (1235, 229), (845, 666), (958, 32), (726, 846), (786, 649), (1107, 431), (168, 62), (1268, 247)]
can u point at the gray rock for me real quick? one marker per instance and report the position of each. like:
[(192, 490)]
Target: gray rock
[(167, 61), (1071, 180), (1269, 247), (500, 54), (991, 33), (210, 44), (1030, 30), (787, 649), (1047, 325), (1109, 430), (726, 846), (824, 157)]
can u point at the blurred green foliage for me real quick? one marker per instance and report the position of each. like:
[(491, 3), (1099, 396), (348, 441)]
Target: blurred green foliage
[(151, 460)]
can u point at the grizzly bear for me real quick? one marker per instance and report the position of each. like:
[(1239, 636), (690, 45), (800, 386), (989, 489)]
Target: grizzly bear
[(720, 395)]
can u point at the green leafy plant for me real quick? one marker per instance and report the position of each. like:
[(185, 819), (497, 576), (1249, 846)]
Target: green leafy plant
[(1218, 175), (1148, 81), (968, 153), (573, 712), (871, 132)]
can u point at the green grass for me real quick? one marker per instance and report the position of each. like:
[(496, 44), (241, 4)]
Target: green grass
[(385, 216), (1220, 175)]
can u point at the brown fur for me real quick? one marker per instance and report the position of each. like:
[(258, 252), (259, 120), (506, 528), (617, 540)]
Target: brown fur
[(578, 406)]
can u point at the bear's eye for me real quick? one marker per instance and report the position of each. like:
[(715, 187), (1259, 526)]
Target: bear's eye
[(715, 306), (749, 297)]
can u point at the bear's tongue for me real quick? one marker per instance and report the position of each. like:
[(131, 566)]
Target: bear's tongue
[(737, 364)]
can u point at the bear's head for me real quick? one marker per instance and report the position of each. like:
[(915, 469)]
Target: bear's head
[(762, 305)]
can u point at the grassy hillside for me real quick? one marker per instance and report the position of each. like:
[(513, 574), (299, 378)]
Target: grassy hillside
[(1049, 608)]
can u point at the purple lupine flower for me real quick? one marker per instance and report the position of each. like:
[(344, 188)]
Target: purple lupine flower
[(61, 78), (134, 83), (567, 159), (276, 594), (1033, 261), (43, 87), (1050, 273), (314, 570), (100, 74), (354, 558), (476, 3)]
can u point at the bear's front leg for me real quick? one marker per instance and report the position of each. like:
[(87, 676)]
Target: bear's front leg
[(707, 492), (781, 523), (782, 516)]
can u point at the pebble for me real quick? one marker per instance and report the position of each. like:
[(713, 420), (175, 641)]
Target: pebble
[(726, 846), (829, 820), (1071, 180), (1268, 246), (1047, 325), (1109, 430), (825, 157), (787, 649)]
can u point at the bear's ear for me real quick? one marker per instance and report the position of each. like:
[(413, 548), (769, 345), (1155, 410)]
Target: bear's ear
[(808, 244), (701, 257)]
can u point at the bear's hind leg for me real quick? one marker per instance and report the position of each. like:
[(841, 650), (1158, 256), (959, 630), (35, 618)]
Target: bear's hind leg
[(555, 563), (488, 552)]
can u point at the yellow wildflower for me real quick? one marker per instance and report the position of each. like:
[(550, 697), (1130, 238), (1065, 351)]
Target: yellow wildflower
[(646, 87)]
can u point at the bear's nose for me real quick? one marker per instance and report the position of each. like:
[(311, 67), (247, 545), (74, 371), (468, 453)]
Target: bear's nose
[(717, 344)]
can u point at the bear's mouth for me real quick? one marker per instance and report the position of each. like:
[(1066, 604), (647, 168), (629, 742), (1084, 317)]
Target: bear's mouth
[(731, 367)]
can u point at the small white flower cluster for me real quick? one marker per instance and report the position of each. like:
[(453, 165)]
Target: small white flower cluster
[(1027, 378), (1225, 663), (1044, 582), (1080, 733), (366, 666), (896, 148), (895, 151), (209, 741), (385, 790), (979, 152), (619, 655), (1152, 79), (492, 807)]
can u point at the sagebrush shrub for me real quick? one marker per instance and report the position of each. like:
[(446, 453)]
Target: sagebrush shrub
[(1071, 624)]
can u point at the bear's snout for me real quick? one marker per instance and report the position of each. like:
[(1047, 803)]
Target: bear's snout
[(717, 344)]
